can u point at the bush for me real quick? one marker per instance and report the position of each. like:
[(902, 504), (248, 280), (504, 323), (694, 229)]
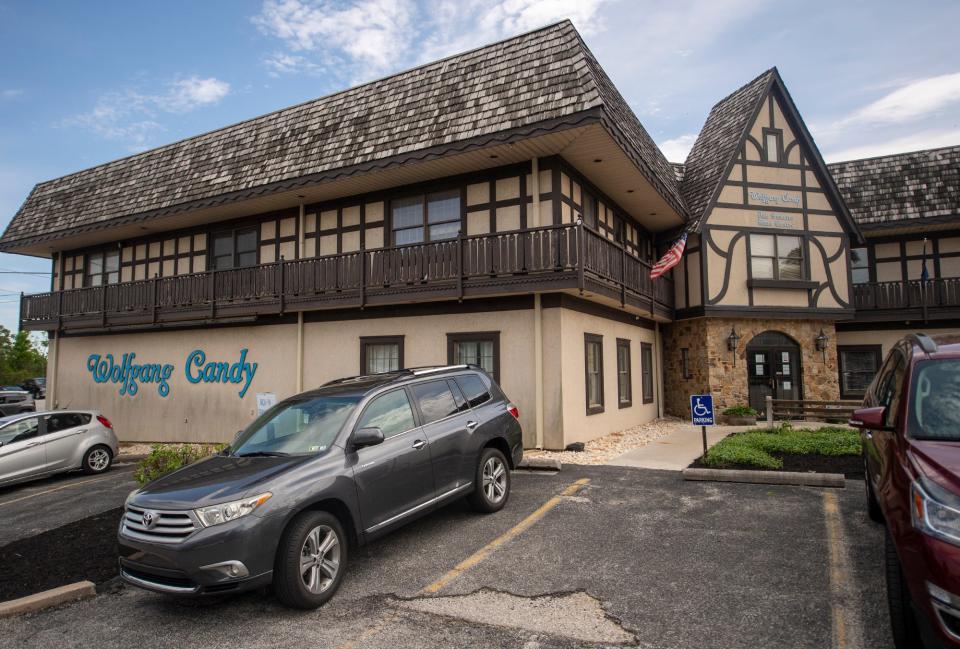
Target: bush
[(164, 459), (741, 410), (756, 447)]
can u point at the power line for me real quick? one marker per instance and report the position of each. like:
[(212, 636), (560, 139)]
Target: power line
[(22, 272)]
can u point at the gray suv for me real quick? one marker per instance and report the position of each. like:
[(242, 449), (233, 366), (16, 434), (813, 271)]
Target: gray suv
[(318, 475)]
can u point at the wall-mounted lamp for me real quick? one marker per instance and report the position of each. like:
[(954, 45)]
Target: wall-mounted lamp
[(821, 342), (732, 341)]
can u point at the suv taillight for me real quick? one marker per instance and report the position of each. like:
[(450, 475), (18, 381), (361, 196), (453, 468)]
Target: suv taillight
[(106, 422), (513, 410)]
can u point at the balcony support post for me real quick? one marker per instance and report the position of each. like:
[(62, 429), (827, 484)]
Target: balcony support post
[(155, 300), (581, 255), (212, 293), (623, 276), (103, 305), (363, 278), (460, 266), (282, 283)]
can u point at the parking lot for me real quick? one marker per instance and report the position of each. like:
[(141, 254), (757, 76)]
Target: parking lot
[(589, 556)]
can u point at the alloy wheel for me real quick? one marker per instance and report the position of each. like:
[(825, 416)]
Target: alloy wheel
[(494, 480), (320, 559), (99, 459)]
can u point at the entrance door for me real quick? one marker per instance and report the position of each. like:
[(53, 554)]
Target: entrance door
[(773, 366)]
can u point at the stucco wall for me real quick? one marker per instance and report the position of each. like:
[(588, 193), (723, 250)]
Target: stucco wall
[(887, 338)]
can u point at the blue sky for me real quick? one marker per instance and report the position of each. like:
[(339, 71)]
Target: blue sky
[(84, 83)]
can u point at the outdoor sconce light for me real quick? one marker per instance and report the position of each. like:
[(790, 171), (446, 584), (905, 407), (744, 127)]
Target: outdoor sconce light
[(821, 342), (732, 341)]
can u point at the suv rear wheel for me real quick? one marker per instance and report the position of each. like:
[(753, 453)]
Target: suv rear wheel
[(906, 634), (492, 481), (311, 560)]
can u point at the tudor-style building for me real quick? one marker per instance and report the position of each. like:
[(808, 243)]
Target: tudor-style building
[(500, 207)]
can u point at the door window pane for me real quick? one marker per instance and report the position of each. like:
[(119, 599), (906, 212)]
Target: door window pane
[(247, 247), (63, 421), (435, 400), (646, 372), (223, 250), (390, 412), (95, 269), (19, 431), (112, 266)]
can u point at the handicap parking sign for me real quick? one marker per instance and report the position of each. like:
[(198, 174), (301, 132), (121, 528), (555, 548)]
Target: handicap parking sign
[(701, 409)]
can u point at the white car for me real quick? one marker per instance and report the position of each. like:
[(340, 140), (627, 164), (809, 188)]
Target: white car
[(38, 444)]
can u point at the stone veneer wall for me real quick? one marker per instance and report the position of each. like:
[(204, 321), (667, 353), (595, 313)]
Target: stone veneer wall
[(711, 365)]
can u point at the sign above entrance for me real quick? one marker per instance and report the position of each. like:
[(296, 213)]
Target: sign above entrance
[(776, 220), (701, 409)]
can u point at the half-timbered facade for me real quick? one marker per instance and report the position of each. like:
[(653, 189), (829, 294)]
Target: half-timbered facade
[(500, 207)]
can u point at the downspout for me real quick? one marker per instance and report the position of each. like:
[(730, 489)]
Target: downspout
[(51, 396), (534, 222), (300, 255)]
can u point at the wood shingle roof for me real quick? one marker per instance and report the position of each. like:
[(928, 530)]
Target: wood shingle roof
[(887, 189), (532, 79)]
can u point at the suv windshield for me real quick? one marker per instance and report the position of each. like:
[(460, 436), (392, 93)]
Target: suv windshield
[(296, 426), (934, 414)]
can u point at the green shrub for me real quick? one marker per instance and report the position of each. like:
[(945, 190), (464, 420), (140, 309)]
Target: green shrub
[(756, 447), (741, 410), (165, 458)]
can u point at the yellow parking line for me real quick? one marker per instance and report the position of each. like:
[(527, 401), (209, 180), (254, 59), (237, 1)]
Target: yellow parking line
[(845, 622), (50, 491), (488, 549), (475, 558)]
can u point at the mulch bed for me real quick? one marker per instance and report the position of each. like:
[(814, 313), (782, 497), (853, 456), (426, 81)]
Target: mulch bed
[(849, 465), (85, 549)]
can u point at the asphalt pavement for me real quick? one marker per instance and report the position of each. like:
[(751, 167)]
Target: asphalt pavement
[(627, 557)]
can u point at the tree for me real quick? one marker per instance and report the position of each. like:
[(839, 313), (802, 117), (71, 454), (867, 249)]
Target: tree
[(20, 359)]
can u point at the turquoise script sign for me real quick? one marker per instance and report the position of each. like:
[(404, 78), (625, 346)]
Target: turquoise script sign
[(130, 375)]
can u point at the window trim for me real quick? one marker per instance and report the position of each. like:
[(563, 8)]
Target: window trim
[(878, 355), (476, 336), (646, 368), (104, 274), (778, 133), (589, 339), (802, 282), (870, 266), (410, 402), (425, 222), (380, 340), (624, 343)]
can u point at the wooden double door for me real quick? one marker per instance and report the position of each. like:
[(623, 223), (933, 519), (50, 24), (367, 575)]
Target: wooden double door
[(773, 369)]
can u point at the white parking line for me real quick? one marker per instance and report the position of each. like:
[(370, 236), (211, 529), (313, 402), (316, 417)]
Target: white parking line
[(61, 487)]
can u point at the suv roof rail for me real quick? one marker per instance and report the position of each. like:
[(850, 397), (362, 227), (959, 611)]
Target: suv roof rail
[(420, 371), (925, 342)]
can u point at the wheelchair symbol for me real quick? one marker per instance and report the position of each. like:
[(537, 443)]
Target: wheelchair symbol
[(699, 409)]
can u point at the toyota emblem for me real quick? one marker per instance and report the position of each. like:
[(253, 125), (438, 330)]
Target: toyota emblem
[(149, 519)]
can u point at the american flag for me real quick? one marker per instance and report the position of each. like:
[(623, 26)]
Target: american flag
[(670, 259)]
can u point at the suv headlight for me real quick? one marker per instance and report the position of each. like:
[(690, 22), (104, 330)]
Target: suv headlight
[(224, 512), (931, 515)]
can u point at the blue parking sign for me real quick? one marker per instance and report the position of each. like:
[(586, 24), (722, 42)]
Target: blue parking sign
[(701, 409)]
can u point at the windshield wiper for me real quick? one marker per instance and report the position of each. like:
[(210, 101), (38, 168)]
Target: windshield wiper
[(262, 454)]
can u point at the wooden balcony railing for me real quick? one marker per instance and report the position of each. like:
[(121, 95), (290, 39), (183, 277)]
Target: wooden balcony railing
[(553, 258), (910, 300)]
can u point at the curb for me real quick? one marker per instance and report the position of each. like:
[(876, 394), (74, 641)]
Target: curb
[(540, 464), (768, 477), (48, 598)]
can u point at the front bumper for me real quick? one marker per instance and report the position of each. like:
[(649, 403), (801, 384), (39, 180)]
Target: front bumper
[(195, 565)]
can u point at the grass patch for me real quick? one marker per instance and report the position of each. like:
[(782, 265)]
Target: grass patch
[(757, 447)]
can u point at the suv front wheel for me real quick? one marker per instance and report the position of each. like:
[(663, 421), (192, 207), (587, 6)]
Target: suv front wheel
[(311, 560), (492, 481)]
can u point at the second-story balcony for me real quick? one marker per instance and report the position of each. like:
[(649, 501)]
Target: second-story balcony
[(569, 258), (913, 300)]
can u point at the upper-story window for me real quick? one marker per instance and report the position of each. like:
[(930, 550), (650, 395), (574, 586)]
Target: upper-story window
[(859, 265), (103, 268), (589, 210), (772, 145), (234, 249), (429, 217), (776, 256)]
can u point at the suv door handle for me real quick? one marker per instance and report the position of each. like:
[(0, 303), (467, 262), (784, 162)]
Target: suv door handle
[(472, 424), (419, 444)]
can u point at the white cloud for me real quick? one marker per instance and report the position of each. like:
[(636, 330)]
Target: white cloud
[(134, 117), (11, 93), (930, 139), (676, 149), (366, 38), (910, 102)]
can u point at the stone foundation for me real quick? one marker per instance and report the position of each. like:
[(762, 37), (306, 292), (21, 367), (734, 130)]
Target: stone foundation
[(711, 366)]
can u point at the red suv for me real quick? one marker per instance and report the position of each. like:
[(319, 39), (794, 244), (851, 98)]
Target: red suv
[(910, 426)]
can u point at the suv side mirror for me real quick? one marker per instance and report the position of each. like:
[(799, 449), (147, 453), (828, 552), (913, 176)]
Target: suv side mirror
[(870, 418), (367, 437)]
